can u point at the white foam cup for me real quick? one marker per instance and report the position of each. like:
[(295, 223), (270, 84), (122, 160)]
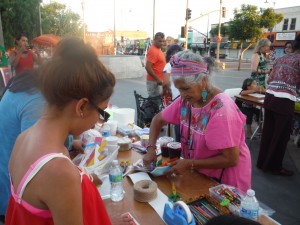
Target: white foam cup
[(112, 140), (113, 126)]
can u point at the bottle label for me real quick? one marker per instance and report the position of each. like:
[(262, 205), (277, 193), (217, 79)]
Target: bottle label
[(115, 178), (248, 213)]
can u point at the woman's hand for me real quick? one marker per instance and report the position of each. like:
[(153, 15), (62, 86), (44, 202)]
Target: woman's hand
[(150, 158), (179, 166), (124, 219)]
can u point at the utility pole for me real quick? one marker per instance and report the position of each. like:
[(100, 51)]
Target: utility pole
[(40, 18), (219, 36), (153, 27), (186, 24), (115, 45), (1, 32), (83, 7)]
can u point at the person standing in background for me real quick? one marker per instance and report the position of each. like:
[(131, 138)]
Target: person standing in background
[(279, 105), (23, 58), (155, 63), (259, 63), (288, 47)]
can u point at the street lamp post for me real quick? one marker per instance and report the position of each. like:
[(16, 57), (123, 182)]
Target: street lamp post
[(219, 36), (153, 26), (40, 19), (115, 46), (186, 26)]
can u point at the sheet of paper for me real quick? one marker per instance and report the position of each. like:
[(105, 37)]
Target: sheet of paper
[(257, 95), (158, 204), (135, 177)]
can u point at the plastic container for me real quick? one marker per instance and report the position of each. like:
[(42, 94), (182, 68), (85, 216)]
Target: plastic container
[(249, 206), (220, 193), (116, 181)]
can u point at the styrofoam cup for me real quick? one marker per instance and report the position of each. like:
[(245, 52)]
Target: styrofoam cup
[(113, 126)]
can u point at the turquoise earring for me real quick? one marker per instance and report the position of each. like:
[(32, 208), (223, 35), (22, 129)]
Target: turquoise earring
[(204, 95)]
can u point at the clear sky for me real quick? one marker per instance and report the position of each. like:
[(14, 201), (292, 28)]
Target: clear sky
[(169, 14)]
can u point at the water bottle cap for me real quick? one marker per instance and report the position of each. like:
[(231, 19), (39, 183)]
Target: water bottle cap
[(115, 162), (251, 192)]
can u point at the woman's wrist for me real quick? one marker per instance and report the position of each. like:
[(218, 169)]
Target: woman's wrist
[(151, 148)]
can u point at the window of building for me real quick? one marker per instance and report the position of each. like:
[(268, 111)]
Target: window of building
[(293, 24), (285, 24)]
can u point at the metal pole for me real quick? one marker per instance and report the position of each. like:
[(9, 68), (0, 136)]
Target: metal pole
[(186, 26), (115, 46), (40, 18), (153, 32), (1, 32), (219, 36), (83, 7), (207, 47)]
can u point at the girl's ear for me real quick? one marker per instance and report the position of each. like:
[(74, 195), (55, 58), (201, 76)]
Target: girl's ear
[(81, 107)]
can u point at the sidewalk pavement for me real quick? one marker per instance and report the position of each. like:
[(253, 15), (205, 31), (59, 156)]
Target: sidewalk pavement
[(281, 194)]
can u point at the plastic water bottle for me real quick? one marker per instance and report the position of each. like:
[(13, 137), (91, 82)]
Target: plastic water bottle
[(249, 206), (105, 131), (116, 178)]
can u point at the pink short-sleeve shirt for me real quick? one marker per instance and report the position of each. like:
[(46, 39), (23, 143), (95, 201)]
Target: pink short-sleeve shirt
[(216, 126)]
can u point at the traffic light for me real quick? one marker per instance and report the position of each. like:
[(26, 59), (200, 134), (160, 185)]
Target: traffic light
[(223, 12), (208, 40), (182, 32), (188, 14)]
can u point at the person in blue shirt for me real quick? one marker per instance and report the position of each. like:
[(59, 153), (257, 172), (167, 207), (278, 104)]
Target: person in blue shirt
[(20, 107)]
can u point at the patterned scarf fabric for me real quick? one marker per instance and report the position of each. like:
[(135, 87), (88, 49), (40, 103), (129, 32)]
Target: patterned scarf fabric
[(184, 67)]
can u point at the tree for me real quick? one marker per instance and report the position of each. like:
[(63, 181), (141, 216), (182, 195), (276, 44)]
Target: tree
[(248, 25), (19, 16), (224, 30), (59, 20)]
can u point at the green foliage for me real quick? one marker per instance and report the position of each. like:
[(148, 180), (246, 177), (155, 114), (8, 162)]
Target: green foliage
[(269, 18), (248, 23), (59, 20), (224, 30), (19, 16)]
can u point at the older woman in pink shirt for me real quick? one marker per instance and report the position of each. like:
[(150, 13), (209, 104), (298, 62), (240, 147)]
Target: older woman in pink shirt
[(211, 126)]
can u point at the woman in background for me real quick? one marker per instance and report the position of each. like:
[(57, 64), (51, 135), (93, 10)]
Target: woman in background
[(23, 58), (259, 63), (288, 47), (279, 105)]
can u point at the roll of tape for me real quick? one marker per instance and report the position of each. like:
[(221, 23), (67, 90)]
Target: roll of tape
[(145, 190), (185, 208)]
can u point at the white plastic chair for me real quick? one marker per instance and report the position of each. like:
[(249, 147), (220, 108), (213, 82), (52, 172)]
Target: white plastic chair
[(233, 92)]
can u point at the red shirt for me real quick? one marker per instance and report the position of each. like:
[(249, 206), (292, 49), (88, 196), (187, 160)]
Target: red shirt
[(158, 60), (25, 63)]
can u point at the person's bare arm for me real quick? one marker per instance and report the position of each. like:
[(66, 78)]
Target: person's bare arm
[(37, 57), (151, 72), (254, 62), (17, 55), (156, 124), (60, 190), (229, 157)]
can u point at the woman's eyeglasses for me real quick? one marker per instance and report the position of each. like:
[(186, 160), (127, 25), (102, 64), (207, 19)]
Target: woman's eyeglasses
[(102, 114)]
